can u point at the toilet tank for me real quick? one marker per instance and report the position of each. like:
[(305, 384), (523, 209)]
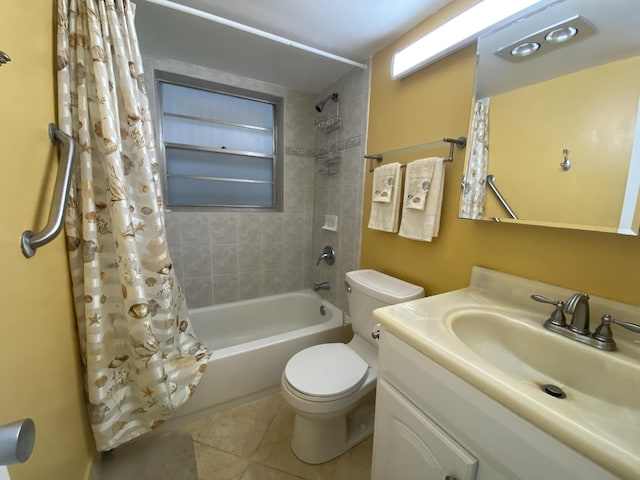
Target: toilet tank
[(371, 289)]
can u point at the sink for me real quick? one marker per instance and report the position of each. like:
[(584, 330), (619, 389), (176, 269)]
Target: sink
[(528, 353), (491, 335)]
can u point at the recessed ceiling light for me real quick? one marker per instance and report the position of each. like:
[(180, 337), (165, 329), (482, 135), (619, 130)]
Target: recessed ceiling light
[(560, 35), (525, 49), (548, 39)]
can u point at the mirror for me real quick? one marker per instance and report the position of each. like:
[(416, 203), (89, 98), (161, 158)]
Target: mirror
[(555, 131)]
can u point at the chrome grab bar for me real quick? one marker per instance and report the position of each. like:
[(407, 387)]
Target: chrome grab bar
[(30, 241), (503, 202)]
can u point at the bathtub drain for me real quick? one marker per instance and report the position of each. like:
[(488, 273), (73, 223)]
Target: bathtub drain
[(323, 310)]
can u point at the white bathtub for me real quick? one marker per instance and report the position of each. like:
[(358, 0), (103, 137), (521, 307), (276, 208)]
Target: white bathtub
[(251, 341)]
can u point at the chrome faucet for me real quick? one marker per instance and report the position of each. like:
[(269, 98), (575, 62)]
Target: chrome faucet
[(328, 254), (321, 286), (578, 307)]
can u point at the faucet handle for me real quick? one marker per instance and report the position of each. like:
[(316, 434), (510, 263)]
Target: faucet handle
[(607, 319), (557, 317), (604, 334), (328, 254)]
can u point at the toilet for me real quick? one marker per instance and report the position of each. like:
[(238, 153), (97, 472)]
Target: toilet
[(331, 387)]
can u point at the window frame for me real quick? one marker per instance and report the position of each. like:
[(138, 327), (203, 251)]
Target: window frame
[(164, 77)]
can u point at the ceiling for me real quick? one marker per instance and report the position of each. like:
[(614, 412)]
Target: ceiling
[(353, 29)]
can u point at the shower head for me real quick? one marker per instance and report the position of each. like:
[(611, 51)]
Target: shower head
[(320, 105)]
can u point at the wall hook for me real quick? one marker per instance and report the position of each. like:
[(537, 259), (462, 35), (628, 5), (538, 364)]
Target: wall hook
[(4, 58), (566, 163)]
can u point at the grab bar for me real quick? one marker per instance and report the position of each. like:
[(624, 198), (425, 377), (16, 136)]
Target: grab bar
[(494, 189), (30, 241)]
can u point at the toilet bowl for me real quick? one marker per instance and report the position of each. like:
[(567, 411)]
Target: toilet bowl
[(331, 387)]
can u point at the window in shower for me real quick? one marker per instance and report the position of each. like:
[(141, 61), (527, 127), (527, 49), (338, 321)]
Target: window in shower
[(219, 144)]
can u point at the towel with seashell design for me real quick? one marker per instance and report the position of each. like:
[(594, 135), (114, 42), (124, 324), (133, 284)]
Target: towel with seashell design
[(384, 179), (385, 198), (418, 182)]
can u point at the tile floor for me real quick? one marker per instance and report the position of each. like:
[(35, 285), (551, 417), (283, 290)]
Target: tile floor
[(251, 442)]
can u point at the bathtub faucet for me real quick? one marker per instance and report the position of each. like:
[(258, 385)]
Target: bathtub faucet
[(321, 286)]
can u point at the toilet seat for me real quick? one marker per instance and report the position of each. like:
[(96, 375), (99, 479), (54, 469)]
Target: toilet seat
[(330, 370)]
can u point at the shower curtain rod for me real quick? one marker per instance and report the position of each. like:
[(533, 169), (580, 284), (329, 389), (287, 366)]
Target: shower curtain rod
[(260, 33)]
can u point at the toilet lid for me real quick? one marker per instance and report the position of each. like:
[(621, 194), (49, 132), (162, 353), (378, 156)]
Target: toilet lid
[(326, 370)]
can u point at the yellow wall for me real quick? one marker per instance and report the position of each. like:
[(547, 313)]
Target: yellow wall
[(40, 370), (529, 127), (436, 102)]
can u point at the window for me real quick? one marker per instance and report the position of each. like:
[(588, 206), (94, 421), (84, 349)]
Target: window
[(219, 144)]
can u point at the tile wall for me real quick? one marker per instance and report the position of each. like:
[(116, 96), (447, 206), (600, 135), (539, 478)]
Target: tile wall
[(228, 256), (340, 194)]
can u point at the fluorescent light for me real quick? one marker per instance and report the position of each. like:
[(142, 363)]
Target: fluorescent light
[(456, 33)]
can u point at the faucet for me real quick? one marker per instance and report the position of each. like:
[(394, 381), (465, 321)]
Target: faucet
[(321, 286), (328, 255), (578, 307)]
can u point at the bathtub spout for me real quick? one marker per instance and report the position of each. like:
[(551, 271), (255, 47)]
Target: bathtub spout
[(321, 286)]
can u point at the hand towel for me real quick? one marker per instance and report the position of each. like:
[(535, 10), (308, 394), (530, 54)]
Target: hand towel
[(418, 182), (385, 216), (383, 182), (424, 224)]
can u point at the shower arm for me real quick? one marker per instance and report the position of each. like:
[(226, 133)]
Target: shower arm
[(320, 105)]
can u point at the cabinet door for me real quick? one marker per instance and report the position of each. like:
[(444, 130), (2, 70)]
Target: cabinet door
[(408, 445)]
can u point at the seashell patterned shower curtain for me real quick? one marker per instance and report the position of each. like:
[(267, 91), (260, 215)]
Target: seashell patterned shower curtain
[(474, 183), (141, 357)]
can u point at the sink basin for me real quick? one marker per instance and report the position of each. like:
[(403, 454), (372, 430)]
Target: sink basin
[(528, 353), (491, 335)]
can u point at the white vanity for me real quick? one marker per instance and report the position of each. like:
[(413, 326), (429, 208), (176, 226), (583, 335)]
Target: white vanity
[(460, 389)]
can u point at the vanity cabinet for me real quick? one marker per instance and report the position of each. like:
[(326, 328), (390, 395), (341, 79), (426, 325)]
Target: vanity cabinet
[(431, 425), (415, 448)]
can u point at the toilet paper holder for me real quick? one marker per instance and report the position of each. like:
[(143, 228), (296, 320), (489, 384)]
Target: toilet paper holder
[(17, 440)]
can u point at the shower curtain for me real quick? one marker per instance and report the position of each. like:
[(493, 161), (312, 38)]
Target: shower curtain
[(475, 186), (142, 359)]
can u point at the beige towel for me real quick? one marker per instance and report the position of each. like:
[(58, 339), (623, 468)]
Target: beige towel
[(385, 216), (424, 224), (383, 185), (418, 182)]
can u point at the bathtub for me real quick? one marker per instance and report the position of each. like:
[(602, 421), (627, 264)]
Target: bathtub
[(251, 342)]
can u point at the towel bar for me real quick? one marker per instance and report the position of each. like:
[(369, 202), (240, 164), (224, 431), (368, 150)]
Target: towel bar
[(30, 241), (460, 142)]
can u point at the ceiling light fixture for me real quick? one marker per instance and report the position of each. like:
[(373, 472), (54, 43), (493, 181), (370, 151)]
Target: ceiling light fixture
[(455, 34), (560, 35), (525, 49), (547, 39)]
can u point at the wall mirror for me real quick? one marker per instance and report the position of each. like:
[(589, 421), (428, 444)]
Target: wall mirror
[(554, 137)]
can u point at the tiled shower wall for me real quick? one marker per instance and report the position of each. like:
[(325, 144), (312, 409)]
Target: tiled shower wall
[(228, 256), (340, 194)]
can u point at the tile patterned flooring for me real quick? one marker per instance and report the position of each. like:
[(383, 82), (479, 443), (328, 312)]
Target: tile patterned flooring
[(251, 442)]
